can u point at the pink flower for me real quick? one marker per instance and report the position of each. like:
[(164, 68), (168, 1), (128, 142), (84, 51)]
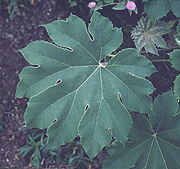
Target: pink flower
[(131, 5), (92, 4)]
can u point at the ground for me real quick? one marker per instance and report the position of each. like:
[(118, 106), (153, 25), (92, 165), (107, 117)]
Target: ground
[(15, 34)]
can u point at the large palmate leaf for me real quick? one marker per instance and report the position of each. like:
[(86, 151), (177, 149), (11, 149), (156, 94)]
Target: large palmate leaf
[(153, 144), (73, 93), (147, 35)]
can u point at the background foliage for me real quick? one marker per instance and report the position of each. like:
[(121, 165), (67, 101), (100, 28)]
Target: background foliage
[(175, 60), (156, 9)]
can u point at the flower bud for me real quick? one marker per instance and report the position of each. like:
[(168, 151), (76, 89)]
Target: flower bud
[(131, 5), (92, 4)]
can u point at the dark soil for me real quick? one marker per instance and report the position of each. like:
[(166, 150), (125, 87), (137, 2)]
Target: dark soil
[(14, 35)]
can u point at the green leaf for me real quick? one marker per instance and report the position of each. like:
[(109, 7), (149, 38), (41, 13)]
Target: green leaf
[(120, 6), (108, 1), (147, 35), (72, 92), (24, 150), (177, 87), (134, 150), (153, 144), (178, 28), (177, 36), (171, 24), (175, 4), (156, 9), (36, 158), (175, 60), (73, 3)]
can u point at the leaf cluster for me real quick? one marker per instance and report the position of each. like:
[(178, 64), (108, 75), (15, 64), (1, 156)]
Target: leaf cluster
[(156, 9), (175, 60)]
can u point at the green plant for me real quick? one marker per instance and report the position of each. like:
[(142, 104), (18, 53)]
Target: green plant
[(100, 4), (36, 141), (37, 148), (156, 9), (2, 123), (78, 87), (175, 60), (153, 142), (72, 153), (83, 91), (13, 5), (146, 35)]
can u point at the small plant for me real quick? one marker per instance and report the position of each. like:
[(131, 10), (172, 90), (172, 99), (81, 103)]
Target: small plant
[(2, 123), (37, 148), (13, 5), (72, 153), (36, 141), (146, 35)]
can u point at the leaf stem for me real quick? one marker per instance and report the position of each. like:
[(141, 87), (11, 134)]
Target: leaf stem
[(160, 60), (110, 55), (178, 47), (107, 5)]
